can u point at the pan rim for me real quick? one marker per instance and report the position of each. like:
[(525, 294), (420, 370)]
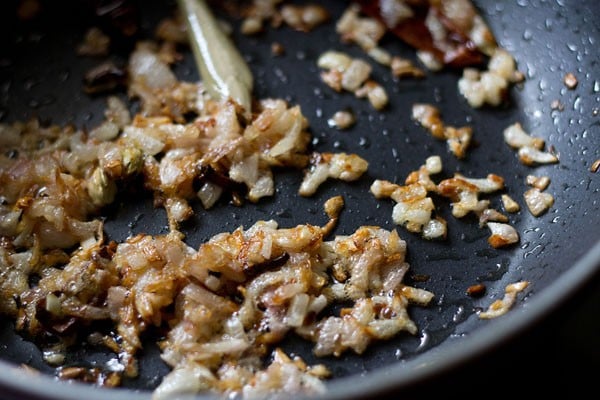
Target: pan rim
[(18, 384)]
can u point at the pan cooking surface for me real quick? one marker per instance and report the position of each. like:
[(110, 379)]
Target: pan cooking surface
[(41, 76)]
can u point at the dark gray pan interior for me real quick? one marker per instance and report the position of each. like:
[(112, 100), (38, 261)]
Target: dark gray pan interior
[(40, 75)]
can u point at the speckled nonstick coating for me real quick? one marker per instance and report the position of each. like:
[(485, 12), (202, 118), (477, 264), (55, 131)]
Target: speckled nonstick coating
[(558, 251)]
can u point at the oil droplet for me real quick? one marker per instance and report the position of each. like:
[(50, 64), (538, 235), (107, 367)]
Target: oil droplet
[(136, 220), (35, 37), (441, 299), (29, 83), (534, 250), (284, 213), (364, 142), (47, 99), (64, 75), (114, 365), (531, 71), (423, 340), (577, 103), (281, 75), (398, 354), (33, 103), (527, 35), (459, 315), (319, 112)]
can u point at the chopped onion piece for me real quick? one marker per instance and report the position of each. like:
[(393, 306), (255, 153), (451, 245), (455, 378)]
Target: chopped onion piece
[(515, 136), (501, 307), (537, 201), (531, 156), (538, 182), (502, 234), (510, 205)]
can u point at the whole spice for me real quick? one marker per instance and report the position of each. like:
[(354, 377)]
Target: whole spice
[(223, 69)]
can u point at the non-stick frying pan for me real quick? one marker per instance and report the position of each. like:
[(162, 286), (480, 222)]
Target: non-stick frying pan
[(559, 252)]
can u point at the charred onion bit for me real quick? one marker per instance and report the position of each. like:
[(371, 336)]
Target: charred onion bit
[(104, 78), (208, 174), (90, 375), (476, 290), (436, 28), (120, 17), (256, 269), (60, 325)]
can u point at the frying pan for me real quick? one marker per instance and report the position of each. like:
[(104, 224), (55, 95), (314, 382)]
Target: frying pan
[(558, 253)]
